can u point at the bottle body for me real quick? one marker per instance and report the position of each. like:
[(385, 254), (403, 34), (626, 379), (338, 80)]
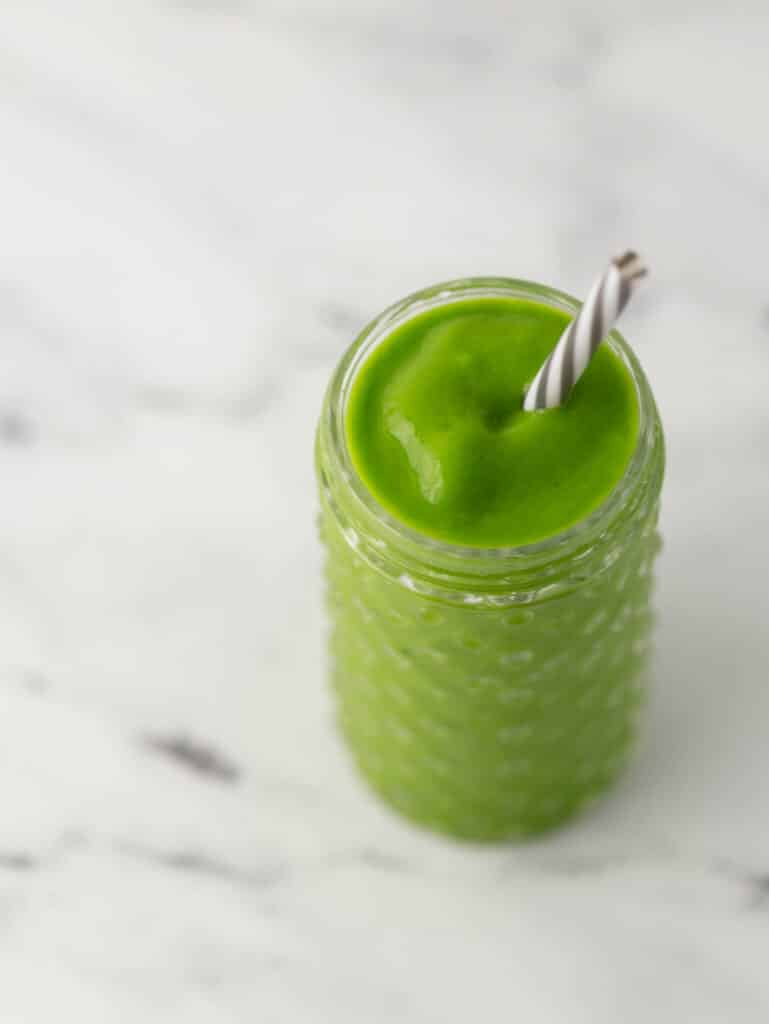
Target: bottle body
[(487, 693)]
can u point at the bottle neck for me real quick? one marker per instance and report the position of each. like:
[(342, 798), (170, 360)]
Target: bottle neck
[(483, 576)]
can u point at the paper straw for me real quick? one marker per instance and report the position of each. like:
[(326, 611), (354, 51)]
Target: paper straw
[(578, 343)]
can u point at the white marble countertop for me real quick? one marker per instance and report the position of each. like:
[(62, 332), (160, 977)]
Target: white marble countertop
[(200, 204)]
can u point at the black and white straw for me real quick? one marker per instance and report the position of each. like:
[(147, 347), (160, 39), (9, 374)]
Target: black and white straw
[(576, 346)]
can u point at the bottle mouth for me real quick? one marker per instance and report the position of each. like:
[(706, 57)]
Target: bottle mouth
[(440, 554)]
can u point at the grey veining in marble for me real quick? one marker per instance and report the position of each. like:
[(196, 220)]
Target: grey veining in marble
[(201, 203)]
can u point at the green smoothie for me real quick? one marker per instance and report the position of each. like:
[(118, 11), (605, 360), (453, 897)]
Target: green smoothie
[(436, 427), (489, 569)]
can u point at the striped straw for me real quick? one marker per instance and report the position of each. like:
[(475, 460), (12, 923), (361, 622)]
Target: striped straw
[(578, 343)]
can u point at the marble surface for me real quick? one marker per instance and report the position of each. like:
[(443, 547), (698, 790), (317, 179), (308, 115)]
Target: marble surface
[(200, 205)]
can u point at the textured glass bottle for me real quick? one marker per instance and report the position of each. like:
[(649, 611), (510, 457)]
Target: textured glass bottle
[(487, 693)]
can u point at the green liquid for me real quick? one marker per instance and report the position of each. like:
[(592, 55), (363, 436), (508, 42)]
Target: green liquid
[(436, 428), (478, 713)]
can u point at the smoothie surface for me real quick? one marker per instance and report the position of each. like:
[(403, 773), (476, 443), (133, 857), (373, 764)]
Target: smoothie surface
[(436, 429)]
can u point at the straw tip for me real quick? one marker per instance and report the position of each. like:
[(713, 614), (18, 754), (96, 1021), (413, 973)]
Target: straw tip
[(630, 265)]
